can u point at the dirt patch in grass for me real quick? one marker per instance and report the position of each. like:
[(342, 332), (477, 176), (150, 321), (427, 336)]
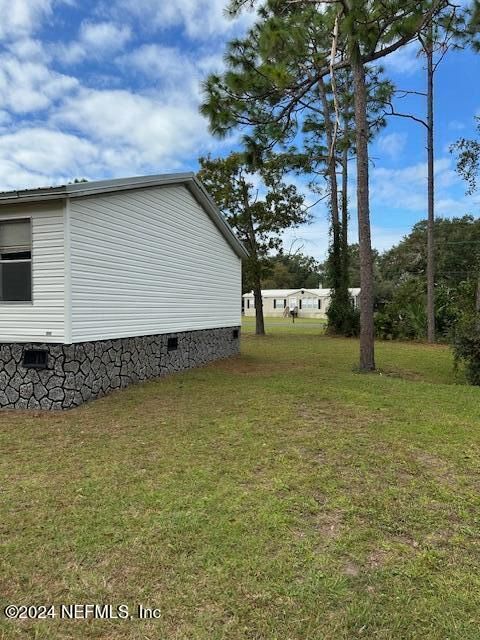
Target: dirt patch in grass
[(242, 365), (377, 559), (329, 525), (319, 411), (351, 569), (435, 465)]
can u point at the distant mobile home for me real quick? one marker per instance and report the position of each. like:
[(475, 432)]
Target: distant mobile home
[(107, 283), (310, 303)]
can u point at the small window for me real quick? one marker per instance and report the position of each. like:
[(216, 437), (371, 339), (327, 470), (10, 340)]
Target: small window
[(235, 334), (172, 344), (35, 359), (279, 303), (15, 261)]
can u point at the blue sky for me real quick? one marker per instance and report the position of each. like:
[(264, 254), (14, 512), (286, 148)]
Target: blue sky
[(109, 89)]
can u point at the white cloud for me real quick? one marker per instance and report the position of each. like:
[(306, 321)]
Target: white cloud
[(21, 17), (30, 86), (43, 153), (166, 64), (200, 19), (392, 144), (406, 189), (314, 239), (456, 125), (384, 238), (163, 62), (171, 69), (5, 118), (407, 60), (104, 35), (96, 39), (29, 49), (152, 130)]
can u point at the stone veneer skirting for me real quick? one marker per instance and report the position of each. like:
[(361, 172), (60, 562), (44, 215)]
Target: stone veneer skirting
[(85, 371)]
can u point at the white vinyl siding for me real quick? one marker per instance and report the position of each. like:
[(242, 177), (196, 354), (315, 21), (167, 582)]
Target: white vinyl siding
[(42, 319), (149, 261)]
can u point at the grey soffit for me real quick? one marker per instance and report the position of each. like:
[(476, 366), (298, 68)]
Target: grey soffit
[(83, 189)]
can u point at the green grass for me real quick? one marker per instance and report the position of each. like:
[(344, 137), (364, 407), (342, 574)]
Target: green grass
[(278, 495), (285, 324)]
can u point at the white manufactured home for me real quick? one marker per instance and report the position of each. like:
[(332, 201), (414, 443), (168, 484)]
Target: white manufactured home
[(106, 283), (308, 303)]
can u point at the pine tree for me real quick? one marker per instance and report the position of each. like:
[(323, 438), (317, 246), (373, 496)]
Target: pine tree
[(259, 206)]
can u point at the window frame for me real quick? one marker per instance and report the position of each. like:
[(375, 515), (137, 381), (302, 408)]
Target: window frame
[(29, 219)]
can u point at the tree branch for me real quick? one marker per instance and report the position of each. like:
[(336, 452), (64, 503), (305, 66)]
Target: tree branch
[(392, 112)]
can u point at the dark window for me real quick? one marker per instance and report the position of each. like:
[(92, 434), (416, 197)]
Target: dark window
[(319, 303), (15, 261), (35, 359), (300, 303), (172, 344), (235, 334)]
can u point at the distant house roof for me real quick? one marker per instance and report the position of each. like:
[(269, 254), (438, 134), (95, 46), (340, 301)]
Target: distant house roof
[(284, 293), (82, 189)]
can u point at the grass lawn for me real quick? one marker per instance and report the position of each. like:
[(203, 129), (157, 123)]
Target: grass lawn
[(278, 495), (285, 324)]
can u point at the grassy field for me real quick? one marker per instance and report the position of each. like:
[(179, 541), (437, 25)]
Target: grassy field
[(278, 495)]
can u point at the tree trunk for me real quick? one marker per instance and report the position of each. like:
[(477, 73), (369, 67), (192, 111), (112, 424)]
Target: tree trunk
[(332, 179), (255, 266), (257, 295), (431, 194), (344, 225), (367, 331)]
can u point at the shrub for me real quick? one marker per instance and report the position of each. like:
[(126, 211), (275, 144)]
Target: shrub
[(405, 323), (343, 318), (404, 316), (466, 345)]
